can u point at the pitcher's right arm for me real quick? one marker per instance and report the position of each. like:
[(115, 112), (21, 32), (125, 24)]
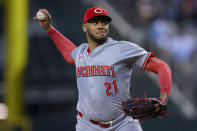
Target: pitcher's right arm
[(64, 45)]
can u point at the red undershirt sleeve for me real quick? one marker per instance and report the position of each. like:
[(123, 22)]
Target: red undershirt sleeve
[(64, 45), (163, 70)]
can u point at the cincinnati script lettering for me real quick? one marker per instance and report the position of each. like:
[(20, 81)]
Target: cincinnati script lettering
[(96, 70)]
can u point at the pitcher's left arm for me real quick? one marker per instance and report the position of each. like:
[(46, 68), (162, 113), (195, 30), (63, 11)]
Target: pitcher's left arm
[(159, 67)]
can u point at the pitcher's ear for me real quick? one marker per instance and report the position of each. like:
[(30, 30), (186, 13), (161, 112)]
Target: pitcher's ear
[(84, 27)]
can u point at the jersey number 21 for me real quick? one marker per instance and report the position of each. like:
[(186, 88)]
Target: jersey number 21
[(109, 86)]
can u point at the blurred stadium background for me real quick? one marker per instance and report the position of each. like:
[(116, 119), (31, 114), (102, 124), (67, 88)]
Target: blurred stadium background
[(38, 90)]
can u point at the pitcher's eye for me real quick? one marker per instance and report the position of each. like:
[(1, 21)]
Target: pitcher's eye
[(93, 22), (104, 22)]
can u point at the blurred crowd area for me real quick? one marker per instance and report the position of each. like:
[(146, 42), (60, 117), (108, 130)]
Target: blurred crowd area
[(170, 28)]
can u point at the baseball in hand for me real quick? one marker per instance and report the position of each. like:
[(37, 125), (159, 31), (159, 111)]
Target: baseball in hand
[(40, 16)]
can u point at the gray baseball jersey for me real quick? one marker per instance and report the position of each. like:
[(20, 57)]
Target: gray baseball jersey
[(103, 77)]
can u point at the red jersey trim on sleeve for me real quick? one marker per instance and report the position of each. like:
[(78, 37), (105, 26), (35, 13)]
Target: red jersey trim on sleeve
[(150, 54)]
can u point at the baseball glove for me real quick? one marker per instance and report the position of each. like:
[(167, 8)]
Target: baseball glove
[(144, 108)]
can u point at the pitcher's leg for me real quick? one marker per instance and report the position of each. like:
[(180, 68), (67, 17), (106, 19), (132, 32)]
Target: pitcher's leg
[(83, 125), (128, 124)]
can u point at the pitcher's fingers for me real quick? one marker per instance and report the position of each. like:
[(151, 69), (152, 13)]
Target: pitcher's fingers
[(44, 11), (157, 107)]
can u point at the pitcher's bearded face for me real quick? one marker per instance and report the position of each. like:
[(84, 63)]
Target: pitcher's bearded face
[(98, 30)]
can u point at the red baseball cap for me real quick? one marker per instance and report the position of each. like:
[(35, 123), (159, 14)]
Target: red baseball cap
[(94, 12)]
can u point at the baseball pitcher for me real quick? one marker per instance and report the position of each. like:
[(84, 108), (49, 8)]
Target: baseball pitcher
[(103, 72)]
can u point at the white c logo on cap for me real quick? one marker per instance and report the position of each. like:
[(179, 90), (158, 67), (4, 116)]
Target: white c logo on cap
[(98, 10)]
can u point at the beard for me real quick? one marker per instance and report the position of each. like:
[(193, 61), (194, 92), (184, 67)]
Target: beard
[(99, 41)]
